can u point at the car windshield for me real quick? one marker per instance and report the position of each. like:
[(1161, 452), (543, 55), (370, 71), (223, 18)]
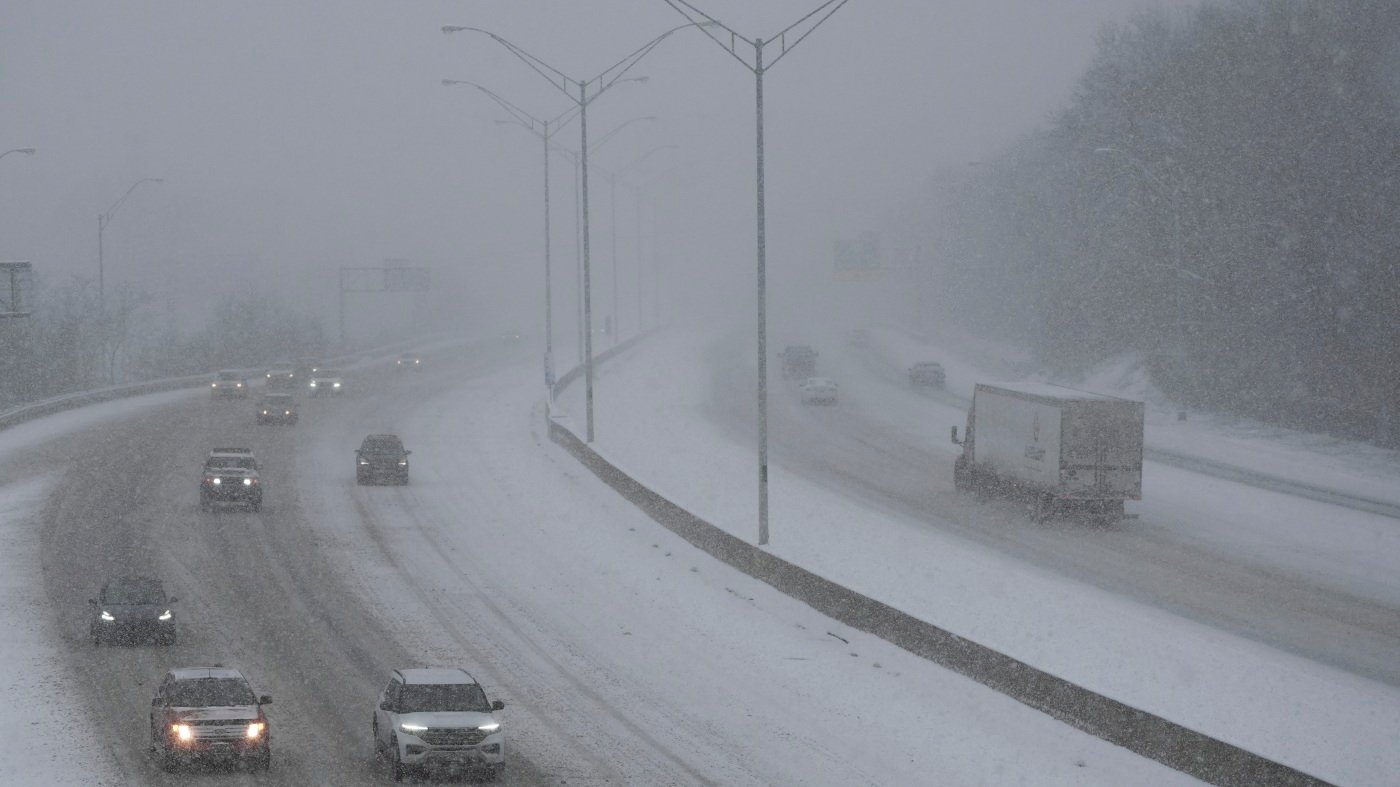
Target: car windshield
[(278, 401), (437, 697), (204, 692), (382, 447), (328, 373), (231, 463), (229, 376), (134, 592)]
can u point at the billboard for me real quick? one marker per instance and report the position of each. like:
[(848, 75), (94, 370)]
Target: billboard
[(16, 288)]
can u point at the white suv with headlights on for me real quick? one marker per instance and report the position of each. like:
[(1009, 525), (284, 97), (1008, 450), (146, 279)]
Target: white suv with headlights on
[(438, 720)]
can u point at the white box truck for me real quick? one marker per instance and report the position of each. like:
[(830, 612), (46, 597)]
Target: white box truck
[(1063, 451)]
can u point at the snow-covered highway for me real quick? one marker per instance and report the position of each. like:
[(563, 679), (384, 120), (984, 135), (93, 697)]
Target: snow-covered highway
[(624, 655)]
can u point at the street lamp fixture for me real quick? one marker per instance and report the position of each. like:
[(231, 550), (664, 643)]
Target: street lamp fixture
[(25, 151), (582, 92), (103, 219)]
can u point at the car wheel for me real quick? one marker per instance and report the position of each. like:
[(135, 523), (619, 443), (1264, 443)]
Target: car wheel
[(494, 772), (395, 761), (264, 761), (256, 505), (96, 639), (168, 639), (165, 758)]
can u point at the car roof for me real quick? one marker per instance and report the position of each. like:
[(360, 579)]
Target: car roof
[(222, 450), (382, 438), (434, 675), (821, 380), (328, 373), (231, 372), (278, 395), (196, 673)]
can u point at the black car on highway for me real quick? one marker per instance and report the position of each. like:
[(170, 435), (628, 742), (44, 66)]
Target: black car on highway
[(230, 476), (132, 610), (381, 458)]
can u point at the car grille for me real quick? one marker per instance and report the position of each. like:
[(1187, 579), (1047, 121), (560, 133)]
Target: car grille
[(218, 730), (453, 737)]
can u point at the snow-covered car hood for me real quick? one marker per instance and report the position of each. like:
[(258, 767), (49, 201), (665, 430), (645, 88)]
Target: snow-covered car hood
[(447, 719)]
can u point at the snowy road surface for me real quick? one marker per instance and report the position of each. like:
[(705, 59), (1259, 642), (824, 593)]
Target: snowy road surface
[(624, 656), (1266, 620)]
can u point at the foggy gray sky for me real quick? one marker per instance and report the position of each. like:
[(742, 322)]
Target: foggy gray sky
[(298, 136)]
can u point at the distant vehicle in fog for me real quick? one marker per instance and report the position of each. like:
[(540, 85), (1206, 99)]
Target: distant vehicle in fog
[(281, 377), (381, 458), (230, 476), (1064, 451), (406, 361), (131, 610), (327, 382), (306, 367), (818, 390), (799, 362), (229, 382), (928, 375), (277, 408)]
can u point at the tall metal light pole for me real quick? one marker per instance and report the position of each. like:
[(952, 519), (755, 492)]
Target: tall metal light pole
[(25, 151), (103, 219), (542, 129), (799, 30), (599, 85), (612, 186)]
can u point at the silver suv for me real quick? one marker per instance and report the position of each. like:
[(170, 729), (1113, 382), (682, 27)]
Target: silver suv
[(437, 719)]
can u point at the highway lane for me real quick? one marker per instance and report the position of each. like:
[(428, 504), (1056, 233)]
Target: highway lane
[(256, 591), (897, 467)]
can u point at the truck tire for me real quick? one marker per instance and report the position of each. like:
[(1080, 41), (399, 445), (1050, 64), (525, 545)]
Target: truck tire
[(961, 482)]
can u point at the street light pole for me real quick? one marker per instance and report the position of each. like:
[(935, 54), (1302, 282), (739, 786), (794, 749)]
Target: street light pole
[(821, 13), (25, 151), (529, 123), (604, 80), (103, 219)]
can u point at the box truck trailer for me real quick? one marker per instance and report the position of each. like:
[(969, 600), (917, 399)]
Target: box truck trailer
[(1063, 451)]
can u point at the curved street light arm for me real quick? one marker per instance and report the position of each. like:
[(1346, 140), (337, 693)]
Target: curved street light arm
[(107, 217), (594, 146), (555, 77), (25, 151), (642, 159)]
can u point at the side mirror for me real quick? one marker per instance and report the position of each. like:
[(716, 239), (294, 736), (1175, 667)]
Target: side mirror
[(956, 441), (406, 453), (92, 601), (172, 600), (155, 702), (498, 705), (265, 700)]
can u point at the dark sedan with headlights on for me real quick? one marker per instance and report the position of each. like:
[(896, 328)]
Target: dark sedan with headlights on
[(132, 610)]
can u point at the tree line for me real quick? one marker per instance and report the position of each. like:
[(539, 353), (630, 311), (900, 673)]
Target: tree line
[(68, 344), (1219, 196)]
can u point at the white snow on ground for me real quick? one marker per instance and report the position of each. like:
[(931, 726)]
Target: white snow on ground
[(651, 420), (615, 632), (36, 706)]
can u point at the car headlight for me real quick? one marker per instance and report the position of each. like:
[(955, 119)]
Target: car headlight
[(264, 412), (364, 461), (255, 730), (313, 383), (412, 729), (289, 412), (238, 385), (107, 616), (165, 615), (217, 481), (213, 385), (335, 385), (247, 482), (488, 728), (403, 463), (182, 731)]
